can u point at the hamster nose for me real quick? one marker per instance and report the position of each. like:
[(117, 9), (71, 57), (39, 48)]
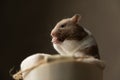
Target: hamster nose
[(52, 34)]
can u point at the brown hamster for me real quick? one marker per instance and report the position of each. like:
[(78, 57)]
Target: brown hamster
[(70, 38)]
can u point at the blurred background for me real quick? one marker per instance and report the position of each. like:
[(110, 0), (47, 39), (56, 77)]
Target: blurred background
[(25, 27)]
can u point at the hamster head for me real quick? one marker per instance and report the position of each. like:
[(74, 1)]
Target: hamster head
[(68, 29)]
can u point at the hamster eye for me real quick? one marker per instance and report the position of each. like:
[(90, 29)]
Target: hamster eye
[(62, 26)]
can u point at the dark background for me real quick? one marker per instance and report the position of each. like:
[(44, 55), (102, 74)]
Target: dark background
[(25, 27)]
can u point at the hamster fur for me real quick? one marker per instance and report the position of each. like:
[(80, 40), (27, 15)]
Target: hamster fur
[(70, 38)]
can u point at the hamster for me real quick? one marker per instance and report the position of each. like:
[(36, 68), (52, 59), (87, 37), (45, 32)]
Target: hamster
[(72, 39)]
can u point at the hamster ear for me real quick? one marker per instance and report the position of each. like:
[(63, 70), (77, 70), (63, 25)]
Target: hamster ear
[(76, 18)]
